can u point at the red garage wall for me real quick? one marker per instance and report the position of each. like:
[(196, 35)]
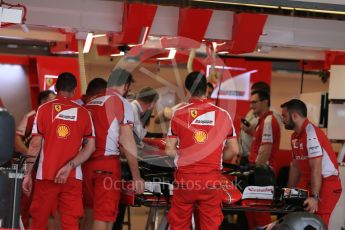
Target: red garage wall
[(53, 66), (38, 66)]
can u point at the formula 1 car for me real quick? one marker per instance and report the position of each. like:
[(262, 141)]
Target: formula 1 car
[(238, 194), (249, 188)]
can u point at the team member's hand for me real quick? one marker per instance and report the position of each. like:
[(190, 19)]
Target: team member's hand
[(138, 185), (27, 185), (249, 130), (272, 225), (236, 159), (63, 173), (311, 205)]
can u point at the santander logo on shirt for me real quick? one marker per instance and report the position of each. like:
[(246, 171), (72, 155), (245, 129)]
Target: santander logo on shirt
[(314, 146), (68, 115), (205, 119)]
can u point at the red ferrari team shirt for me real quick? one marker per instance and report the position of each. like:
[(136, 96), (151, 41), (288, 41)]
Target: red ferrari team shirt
[(267, 132), (63, 124), (108, 113), (201, 129), (312, 143)]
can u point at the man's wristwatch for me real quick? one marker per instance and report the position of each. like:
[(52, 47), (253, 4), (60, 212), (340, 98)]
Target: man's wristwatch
[(315, 196)]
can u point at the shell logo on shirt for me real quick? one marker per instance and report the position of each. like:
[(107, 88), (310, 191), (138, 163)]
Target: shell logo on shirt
[(57, 108), (194, 113), (62, 131), (200, 136)]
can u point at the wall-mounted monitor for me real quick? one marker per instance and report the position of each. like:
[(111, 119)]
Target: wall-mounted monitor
[(336, 121), (235, 85), (337, 82)]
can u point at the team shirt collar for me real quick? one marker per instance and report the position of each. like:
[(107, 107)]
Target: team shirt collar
[(199, 101), (304, 125), (264, 115), (63, 98), (112, 91)]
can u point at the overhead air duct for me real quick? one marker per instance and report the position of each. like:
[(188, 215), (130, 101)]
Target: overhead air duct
[(136, 24), (192, 26), (246, 31)]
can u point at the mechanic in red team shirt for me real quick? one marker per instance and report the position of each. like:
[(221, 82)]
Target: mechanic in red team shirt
[(266, 139), (22, 141), (205, 135), (113, 120), (314, 164), (96, 86), (265, 145), (60, 127)]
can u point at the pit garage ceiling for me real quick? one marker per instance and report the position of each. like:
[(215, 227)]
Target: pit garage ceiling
[(45, 17)]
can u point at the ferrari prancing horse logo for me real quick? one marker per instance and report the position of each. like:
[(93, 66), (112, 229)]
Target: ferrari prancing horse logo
[(49, 82), (57, 108), (194, 113)]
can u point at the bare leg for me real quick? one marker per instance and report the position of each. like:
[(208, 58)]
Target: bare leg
[(54, 222), (102, 225), (87, 221)]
